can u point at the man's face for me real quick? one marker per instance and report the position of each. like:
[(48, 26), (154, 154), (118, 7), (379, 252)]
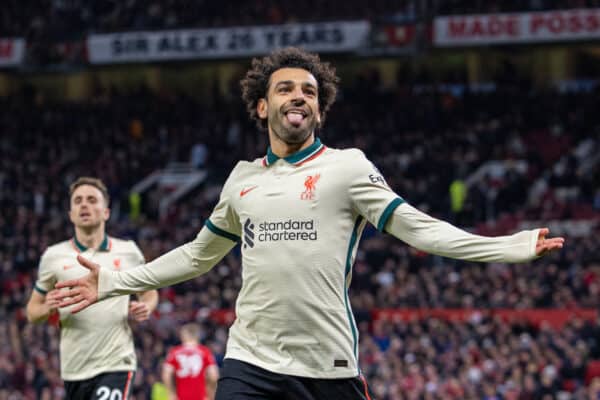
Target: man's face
[(88, 207), (292, 105)]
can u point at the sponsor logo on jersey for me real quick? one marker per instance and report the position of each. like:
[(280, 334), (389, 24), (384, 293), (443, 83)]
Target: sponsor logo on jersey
[(117, 263), (66, 267), (310, 185), (275, 231), (248, 234), (377, 177)]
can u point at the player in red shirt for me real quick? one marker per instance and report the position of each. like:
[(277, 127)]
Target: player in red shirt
[(192, 366)]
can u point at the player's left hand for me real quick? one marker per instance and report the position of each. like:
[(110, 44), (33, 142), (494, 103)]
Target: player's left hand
[(544, 245), (139, 311)]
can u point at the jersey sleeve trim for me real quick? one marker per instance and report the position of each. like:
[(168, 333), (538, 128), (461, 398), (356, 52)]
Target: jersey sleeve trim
[(218, 231), (387, 212), (39, 290)]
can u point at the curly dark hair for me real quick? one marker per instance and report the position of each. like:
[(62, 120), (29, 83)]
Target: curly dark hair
[(255, 84)]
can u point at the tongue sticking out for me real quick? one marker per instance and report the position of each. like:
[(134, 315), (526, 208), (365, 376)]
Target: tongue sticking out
[(294, 118)]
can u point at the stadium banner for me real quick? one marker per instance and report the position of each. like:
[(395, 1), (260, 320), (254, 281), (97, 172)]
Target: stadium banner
[(485, 29), (225, 43), (12, 51)]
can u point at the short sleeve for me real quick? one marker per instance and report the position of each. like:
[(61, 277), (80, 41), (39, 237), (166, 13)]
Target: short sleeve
[(224, 221), (46, 277), (369, 192)]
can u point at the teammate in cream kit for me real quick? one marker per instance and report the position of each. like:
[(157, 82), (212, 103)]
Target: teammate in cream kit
[(298, 213), (97, 354)]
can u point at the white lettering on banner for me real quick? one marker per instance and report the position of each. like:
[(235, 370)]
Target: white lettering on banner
[(12, 52), (222, 43), (561, 25)]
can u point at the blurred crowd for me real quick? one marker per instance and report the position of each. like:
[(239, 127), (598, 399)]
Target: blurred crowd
[(445, 7), (478, 359), (69, 19), (518, 152), (64, 20), (482, 358)]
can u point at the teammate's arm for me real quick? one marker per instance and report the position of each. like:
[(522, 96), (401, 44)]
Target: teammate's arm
[(211, 376), (40, 306), (168, 378), (42, 303)]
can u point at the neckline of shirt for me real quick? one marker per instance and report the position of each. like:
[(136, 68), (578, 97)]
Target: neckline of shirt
[(104, 246), (300, 157)]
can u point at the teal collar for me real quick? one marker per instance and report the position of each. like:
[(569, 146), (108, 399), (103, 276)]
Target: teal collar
[(104, 246), (297, 158)]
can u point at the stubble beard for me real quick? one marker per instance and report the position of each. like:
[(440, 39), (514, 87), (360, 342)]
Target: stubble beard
[(293, 135)]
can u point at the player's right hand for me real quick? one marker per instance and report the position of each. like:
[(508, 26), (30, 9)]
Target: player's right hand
[(81, 292)]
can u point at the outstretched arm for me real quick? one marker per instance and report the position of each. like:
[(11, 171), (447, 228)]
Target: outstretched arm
[(438, 237), (183, 263), (375, 200)]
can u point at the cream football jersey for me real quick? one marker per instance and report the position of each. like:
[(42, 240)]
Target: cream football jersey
[(298, 221), (97, 339)]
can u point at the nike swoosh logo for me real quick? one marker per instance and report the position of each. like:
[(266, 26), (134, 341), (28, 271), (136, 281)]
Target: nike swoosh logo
[(246, 191), (66, 267)]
